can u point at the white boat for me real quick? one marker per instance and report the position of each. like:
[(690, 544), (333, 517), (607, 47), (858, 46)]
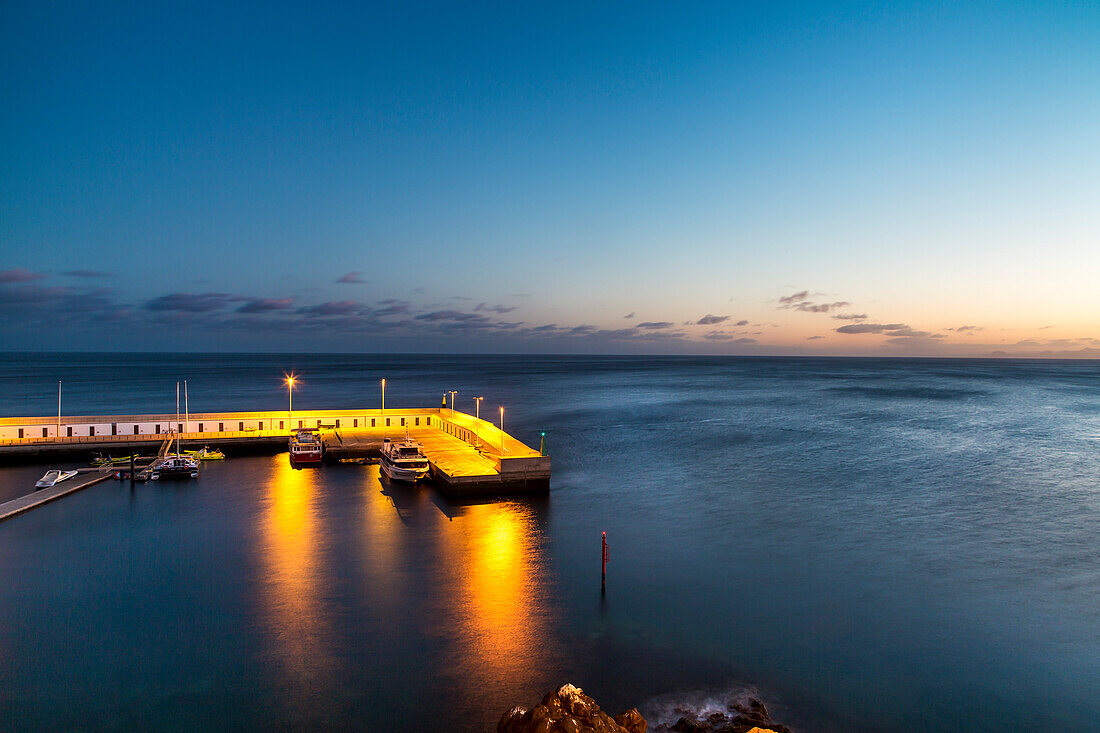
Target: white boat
[(404, 461), (52, 477), (174, 467)]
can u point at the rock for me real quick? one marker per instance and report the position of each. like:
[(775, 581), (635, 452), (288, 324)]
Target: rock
[(691, 725), (569, 710), (632, 721), (750, 716)]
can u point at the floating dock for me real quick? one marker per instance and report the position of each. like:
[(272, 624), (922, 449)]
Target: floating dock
[(25, 503), (467, 455)]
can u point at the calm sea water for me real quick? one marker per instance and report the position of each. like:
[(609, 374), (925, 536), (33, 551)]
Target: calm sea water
[(869, 544)]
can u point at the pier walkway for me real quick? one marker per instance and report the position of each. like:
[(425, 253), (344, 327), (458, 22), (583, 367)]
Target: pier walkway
[(24, 503), (467, 455)]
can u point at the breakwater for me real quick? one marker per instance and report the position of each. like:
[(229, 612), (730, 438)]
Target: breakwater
[(467, 455)]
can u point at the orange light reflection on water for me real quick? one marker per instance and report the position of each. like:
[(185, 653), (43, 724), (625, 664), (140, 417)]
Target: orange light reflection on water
[(291, 578), (492, 550)]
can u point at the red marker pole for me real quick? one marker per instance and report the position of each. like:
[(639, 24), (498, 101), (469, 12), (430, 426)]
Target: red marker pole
[(605, 555)]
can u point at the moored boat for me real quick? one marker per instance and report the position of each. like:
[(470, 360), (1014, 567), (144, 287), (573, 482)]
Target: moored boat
[(403, 461), (102, 460), (176, 466), (53, 476), (305, 448), (206, 454)]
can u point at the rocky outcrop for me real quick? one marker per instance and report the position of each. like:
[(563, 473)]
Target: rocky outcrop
[(749, 716), (569, 710)]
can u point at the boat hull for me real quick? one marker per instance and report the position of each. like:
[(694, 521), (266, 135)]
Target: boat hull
[(53, 478), (172, 468), (172, 474), (396, 473), (305, 458)]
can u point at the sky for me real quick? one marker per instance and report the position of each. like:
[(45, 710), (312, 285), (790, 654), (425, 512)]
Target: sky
[(911, 179)]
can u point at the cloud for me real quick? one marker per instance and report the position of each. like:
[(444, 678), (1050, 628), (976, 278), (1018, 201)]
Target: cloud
[(850, 316), (654, 325), (19, 275), (741, 323), (393, 307), (32, 294), (710, 320), (800, 302), (629, 315), (495, 308), (333, 308), (191, 302), (820, 307), (351, 278), (964, 329), (87, 273), (1084, 353), (1043, 328), (789, 300), (871, 327), (743, 341), (450, 315), (899, 332), (265, 305), (814, 338)]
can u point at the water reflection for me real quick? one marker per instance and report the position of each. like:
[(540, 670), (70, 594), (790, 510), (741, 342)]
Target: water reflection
[(493, 555), (292, 561), (385, 545)]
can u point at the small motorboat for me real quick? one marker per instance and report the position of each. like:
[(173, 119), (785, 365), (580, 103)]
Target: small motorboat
[(206, 454), (52, 477), (102, 460)]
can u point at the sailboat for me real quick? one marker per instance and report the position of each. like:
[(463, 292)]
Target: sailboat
[(178, 465)]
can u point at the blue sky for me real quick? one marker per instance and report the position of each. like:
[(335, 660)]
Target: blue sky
[(214, 172)]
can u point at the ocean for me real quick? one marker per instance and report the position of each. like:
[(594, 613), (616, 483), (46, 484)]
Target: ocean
[(865, 544)]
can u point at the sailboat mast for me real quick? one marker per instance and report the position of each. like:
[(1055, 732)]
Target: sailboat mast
[(186, 407), (177, 419)]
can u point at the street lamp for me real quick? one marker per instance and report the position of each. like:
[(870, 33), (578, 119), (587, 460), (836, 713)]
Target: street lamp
[(453, 392), (502, 431), (383, 396), (290, 380), (477, 408)]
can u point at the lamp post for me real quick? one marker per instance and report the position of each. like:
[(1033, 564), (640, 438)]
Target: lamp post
[(502, 431), (58, 409), (290, 379), (453, 392), (477, 410), (383, 396)]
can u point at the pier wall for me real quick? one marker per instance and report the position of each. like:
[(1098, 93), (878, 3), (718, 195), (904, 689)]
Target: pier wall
[(516, 456), (28, 431)]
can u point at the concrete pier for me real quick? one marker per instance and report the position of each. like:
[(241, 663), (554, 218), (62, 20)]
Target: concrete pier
[(467, 455)]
